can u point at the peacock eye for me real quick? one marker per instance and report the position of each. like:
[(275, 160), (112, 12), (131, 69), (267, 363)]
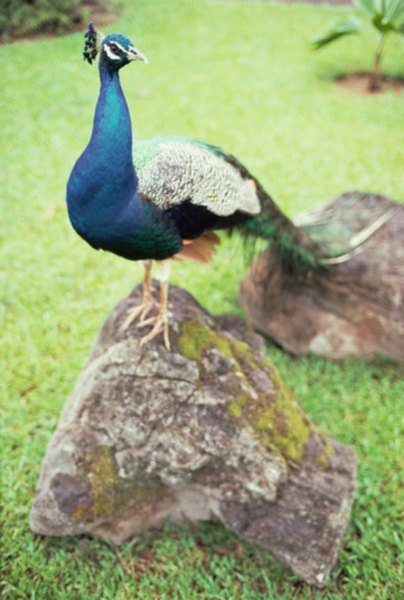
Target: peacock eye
[(113, 47)]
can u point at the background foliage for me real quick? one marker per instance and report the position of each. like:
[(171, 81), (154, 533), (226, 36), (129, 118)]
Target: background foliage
[(386, 16), (241, 75), (23, 17)]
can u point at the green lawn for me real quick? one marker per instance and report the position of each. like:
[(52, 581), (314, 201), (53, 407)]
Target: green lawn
[(240, 75)]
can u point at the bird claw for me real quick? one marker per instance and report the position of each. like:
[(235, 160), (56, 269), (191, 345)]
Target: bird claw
[(160, 326), (145, 322), (140, 312), (160, 321)]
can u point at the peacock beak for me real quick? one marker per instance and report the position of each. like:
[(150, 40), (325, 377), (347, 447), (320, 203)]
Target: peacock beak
[(134, 54)]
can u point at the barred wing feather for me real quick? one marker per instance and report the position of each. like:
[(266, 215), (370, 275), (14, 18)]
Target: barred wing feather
[(172, 172)]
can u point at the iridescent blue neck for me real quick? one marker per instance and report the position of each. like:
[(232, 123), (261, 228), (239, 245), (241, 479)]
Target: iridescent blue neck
[(110, 146), (103, 181), (103, 205)]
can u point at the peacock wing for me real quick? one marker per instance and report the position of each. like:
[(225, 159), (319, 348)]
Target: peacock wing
[(174, 172)]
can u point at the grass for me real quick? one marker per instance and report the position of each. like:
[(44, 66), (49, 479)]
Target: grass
[(240, 75)]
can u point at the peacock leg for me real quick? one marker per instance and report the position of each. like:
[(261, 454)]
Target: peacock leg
[(148, 303), (160, 322)]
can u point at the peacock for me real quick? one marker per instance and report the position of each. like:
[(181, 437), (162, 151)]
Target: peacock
[(164, 198)]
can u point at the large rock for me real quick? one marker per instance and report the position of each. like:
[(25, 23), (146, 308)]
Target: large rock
[(207, 431), (351, 309)]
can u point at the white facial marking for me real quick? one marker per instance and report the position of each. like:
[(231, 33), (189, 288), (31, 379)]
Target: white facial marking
[(120, 47), (110, 54)]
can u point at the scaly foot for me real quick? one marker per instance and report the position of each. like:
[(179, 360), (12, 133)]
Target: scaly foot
[(160, 325), (138, 312), (160, 322), (148, 302)]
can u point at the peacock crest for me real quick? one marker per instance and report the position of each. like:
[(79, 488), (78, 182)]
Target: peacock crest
[(92, 44)]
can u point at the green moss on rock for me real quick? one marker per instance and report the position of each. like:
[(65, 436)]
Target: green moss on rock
[(275, 417), (244, 356), (278, 421), (111, 494), (238, 406), (103, 478), (323, 458), (196, 337)]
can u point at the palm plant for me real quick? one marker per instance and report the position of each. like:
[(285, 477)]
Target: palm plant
[(386, 16)]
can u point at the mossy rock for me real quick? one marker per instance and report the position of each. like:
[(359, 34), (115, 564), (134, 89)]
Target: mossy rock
[(206, 431)]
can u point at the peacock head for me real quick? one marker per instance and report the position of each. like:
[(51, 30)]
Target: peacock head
[(116, 50)]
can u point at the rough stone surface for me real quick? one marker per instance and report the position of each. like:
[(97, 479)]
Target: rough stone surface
[(354, 309), (207, 431)]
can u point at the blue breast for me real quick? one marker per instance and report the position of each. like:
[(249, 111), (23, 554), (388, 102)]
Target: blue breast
[(103, 205)]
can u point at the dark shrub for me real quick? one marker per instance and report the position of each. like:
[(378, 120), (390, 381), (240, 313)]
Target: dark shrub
[(23, 17)]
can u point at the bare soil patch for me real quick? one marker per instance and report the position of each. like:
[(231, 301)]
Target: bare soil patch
[(359, 83)]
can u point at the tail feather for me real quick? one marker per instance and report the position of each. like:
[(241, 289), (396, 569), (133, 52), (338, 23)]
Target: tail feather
[(298, 251)]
